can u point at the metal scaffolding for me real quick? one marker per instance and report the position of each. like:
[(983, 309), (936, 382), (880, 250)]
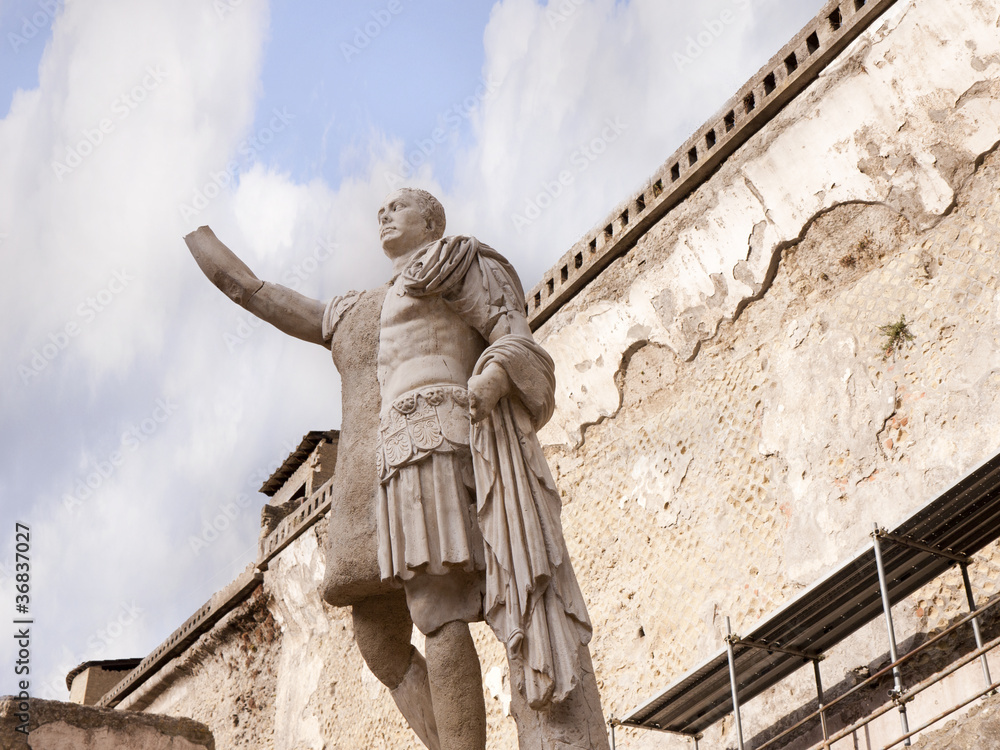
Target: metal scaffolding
[(945, 532)]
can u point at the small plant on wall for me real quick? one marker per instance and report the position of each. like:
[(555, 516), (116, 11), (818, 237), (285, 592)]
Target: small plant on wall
[(896, 335)]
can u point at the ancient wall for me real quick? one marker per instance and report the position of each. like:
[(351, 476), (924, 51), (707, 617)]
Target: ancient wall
[(728, 427), (281, 671)]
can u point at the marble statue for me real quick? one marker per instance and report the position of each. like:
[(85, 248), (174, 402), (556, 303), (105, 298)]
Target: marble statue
[(445, 512)]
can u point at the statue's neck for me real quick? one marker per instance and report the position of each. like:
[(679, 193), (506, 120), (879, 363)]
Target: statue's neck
[(402, 261)]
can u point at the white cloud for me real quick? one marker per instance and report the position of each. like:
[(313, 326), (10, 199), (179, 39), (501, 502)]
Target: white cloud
[(135, 104)]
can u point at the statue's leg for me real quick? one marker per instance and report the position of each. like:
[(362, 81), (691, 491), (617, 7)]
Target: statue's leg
[(457, 687), (382, 630)]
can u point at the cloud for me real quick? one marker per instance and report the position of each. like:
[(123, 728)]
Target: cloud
[(135, 103)]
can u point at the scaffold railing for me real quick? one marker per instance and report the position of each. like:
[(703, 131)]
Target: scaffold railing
[(944, 533)]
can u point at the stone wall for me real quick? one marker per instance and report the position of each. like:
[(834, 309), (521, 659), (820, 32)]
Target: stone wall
[(979, 729), (728, 426)]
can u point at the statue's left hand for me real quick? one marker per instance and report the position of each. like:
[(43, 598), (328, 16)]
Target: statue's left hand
[(485, 389)]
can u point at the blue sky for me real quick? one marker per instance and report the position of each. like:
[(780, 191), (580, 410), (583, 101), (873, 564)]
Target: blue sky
[(138, 404), (374, 69)]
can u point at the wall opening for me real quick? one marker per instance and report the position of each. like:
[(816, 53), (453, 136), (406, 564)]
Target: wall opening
[(749, 103), (769, 84), (730, 120), (812, 42), (710, 139), (836, 20), (791, 63)]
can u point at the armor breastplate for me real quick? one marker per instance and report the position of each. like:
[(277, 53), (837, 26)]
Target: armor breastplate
[(423, 342)]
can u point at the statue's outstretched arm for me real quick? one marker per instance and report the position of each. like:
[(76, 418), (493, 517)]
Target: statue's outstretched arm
[(284, 308)]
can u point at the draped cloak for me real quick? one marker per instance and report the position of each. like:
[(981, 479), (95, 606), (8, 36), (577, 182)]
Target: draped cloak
[(533, 602)]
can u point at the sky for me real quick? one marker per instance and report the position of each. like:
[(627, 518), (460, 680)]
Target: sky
[(140, 410)]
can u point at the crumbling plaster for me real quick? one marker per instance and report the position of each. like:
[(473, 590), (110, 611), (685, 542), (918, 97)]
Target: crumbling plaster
[(877, 127), (727, 428)]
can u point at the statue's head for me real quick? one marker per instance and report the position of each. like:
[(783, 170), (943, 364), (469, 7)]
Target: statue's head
[(409, 219)]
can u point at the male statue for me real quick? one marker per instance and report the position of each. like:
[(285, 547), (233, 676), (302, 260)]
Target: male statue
[(466, 513)]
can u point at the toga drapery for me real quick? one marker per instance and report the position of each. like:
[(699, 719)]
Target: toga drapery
[(533, 602)]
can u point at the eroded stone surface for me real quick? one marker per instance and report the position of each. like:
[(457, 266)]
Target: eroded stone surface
[(55, 725), (714, 467), (978, 730), (736, 479), (880, 126)]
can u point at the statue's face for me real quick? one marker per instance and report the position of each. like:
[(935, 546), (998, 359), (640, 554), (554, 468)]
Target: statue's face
[(402, 226)]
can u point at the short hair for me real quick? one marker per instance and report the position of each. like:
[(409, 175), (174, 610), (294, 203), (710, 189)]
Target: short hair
[(430, 208)]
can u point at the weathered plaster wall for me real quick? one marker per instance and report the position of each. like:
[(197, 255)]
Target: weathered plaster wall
[(727, 428)]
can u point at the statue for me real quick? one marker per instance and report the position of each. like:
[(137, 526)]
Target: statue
[(445, 511)]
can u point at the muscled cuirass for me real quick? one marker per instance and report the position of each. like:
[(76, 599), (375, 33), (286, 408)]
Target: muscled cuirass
[(423, 342)]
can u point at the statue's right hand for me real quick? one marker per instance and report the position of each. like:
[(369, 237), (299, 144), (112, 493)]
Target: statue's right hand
[(222, 267)]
